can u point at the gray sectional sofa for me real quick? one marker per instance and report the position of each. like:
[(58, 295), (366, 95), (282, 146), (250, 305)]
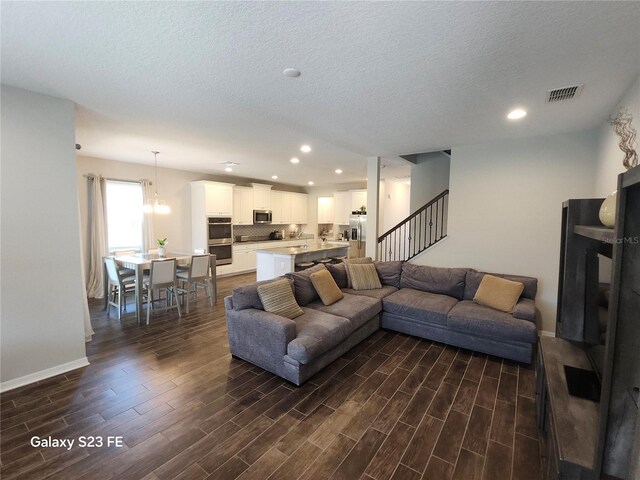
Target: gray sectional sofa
[(428, 302)]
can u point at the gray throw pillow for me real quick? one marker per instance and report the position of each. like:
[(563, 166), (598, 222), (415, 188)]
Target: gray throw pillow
[(445, 281), (339, 274), (389, 273), (247, 296), (303, 287)]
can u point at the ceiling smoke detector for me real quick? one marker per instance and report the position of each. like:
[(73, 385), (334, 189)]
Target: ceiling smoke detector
[(564, 93)]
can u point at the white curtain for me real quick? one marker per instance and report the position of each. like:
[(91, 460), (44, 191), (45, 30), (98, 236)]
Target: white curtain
[(88, 330), (147, 220), (98, 245)]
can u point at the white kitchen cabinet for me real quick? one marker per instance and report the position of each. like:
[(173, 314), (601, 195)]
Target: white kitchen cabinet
[(208, 199), (243, 205), (261, 196), (244, 258), (341, 207), (279, 217), (358, 199), (299, 208), (325, 209)]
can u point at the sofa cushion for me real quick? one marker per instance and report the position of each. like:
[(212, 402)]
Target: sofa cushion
[(378, 293), (354, 261), (498, 293), (339, 274), (326, 287), (419, 305), (474, 278), (445, 281), (358, 309), (525, 309), (277, 298), (469, 317), (364, 276), (317, 332), (303, 289), (389, 273), (247, 296)]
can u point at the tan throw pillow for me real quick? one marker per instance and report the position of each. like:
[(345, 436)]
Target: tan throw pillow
[(498, 293), (355, 261), (364, 276), (326, 287), (277, 297)]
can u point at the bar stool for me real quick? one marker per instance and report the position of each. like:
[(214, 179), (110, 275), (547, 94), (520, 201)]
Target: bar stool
[(304, 265), (339, 259), (324, 261)]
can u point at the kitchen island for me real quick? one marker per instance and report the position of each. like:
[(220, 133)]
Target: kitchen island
[(274, 262)]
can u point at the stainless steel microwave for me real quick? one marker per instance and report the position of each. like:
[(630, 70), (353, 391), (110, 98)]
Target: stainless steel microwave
[(262, 216)]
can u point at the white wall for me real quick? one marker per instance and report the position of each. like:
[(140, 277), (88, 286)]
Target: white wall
[(173, 187), (505, 208), (429, 177), (394, 203), (42, 305), (610, 156)]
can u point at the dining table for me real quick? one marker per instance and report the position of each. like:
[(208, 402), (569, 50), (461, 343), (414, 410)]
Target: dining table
[(139, 262)]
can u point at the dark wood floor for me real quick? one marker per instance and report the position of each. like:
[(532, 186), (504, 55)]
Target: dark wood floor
[(394, 407)]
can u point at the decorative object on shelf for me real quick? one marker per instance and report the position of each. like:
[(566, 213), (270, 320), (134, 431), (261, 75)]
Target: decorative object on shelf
[(622, 126), (607, 212), (363, 209), (157, 206), (161, 244)]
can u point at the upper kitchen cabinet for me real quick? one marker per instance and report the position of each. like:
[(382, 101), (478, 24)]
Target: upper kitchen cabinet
[(243, 205), (299, 208), (341, 207), (358, 199), (212, 198), (325, 210), (261, 196), (280, 215)]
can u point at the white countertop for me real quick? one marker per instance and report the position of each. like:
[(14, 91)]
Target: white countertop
[(300, 250)]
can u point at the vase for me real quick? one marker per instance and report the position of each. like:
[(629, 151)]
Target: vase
[(608, 210), (161, 251)]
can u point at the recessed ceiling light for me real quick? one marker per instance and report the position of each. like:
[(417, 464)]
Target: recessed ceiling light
[(310, 183), (338, 171), (295, 160), (305, 148), (516, 114), (228, 169), (275, 177), (291, 72)]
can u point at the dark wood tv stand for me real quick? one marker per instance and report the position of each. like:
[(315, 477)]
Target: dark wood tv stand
[(568, 425), (582, 439)]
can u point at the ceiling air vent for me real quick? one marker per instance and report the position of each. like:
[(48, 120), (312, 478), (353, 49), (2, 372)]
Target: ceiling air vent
[(564, 93)]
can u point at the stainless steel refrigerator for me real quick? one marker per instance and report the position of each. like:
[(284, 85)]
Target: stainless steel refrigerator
[(357, 235)]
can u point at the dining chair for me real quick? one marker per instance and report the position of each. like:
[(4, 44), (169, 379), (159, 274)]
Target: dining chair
[(120, 285), (124, 271), (196, 276), (162, 275)]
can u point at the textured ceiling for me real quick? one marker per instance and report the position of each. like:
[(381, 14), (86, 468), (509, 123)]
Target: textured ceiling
[(202, 81)]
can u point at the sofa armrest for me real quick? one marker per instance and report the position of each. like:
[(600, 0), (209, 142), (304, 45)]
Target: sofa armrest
[(260, 337), (525, 309)]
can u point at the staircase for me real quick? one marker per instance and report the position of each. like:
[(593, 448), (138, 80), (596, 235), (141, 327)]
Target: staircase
[(416, 233)]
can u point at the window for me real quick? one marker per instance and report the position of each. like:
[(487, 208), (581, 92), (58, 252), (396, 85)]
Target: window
[(124, 215)]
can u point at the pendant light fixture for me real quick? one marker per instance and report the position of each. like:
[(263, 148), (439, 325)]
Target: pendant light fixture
[(157, 206)]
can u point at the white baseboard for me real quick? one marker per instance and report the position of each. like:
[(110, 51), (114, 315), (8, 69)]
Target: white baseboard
[(42, 374), (547, 333)]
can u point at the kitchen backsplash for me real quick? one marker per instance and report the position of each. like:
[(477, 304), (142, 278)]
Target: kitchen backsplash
[(257, 231)]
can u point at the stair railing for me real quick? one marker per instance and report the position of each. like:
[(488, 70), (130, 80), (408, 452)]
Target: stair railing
[(419, 231)]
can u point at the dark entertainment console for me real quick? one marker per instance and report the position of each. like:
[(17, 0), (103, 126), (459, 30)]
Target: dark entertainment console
[(588, 377)]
